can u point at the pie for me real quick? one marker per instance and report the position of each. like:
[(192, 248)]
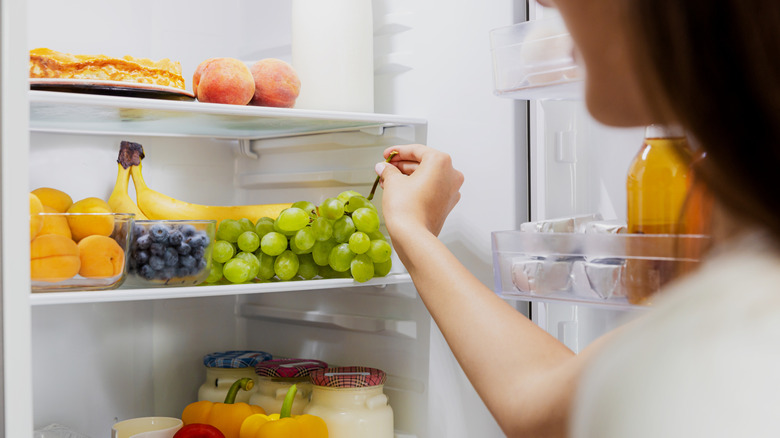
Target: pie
[(47, 63)]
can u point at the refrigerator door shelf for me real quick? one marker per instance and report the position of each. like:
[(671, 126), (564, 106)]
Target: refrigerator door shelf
[(593, 269)]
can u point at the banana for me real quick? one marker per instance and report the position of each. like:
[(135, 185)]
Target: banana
[(120, 201), (156, 205)]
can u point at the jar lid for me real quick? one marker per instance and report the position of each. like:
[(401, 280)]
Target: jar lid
[(348, 377), (235, 359), (289, 368)]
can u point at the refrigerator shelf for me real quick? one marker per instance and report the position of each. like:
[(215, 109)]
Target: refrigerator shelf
[(606, 270), (162, 293), (59, 112)]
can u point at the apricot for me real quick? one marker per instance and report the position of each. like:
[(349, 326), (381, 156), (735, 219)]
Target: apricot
[(276, 83), (101, 257), (54, 223), (53, 258), (83, 225), (36, 221), (223, 80), (56, 199)]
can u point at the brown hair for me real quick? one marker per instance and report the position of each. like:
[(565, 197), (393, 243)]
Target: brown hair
[(714, 67)]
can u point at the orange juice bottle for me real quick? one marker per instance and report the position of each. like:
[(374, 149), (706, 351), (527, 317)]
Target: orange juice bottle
[(657, 186)]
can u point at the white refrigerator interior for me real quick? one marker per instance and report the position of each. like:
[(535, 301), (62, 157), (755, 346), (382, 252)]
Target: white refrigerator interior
[(88, 359)]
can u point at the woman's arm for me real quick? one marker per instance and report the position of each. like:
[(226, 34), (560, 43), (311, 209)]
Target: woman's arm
[(529, 386)]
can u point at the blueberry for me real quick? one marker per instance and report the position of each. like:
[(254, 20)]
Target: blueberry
[(187, 261), (175, 238), (141, 257), (183, 271), (157, 249), (167, 274), (171, 257), (139, 230), (199, 240), (143, 242), (147, 272), (184, 249), (159, 233), (201, 265), (188, 230), (156, 262), (198, 253)]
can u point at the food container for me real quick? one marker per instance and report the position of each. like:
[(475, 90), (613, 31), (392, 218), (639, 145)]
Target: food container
[(80, 251), (534, 60), (147, 427), (274, 378), (170, 253), (223, 368), (352, 402)]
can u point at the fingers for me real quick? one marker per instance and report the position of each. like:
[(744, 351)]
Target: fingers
[(408, 152)]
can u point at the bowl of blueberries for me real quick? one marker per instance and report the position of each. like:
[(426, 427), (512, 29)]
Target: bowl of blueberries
[(170, 252)]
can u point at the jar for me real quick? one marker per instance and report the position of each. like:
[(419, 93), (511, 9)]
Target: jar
[(352, 402), (274, 378), (224, 368)]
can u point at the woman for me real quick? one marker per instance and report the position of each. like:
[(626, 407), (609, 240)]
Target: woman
[(705, 361)]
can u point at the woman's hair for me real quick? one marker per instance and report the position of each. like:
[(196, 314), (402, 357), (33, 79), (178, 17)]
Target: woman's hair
[(714, 67)]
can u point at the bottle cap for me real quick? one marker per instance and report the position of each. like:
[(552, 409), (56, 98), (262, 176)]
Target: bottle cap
[(664, 131), (348, 377), (289, 368), (235, 359)]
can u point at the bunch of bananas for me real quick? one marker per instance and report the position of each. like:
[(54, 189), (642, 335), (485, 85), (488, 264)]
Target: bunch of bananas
[(157, 206)]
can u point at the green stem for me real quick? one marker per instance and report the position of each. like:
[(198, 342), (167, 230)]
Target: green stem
[(376, 181), (246, 384), (288, 401)]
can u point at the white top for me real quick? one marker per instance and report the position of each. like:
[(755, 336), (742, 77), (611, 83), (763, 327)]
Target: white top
[(704, 362)]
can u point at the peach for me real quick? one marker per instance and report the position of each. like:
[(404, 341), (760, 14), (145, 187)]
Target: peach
[(54, 223), (223, 80), (85, 225), (101, 257), (53, 258), (57, 199), (36, 221), (276, 83)]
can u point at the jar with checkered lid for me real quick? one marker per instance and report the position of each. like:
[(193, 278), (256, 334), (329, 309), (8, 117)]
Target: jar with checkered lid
[(352, 402), (225, 367), (274, 378)]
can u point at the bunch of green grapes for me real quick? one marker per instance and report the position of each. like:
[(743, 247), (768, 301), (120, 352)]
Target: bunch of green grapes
[(338, 238)]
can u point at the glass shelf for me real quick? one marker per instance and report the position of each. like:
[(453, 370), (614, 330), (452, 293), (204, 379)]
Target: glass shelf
[(62, 112)]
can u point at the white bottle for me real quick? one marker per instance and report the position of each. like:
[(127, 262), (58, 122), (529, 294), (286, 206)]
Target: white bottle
[(333, 54)]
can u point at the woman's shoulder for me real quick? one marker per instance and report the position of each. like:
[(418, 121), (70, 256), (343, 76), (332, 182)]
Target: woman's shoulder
[(705, 361)]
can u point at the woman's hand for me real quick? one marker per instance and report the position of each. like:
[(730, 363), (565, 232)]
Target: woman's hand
[(420, 188)]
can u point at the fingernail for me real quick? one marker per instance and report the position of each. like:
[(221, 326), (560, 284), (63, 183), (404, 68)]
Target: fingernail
[(379, 168)]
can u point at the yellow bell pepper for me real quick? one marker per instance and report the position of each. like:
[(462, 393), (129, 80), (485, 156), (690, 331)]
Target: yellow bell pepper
[(227, 416), (283, 425)]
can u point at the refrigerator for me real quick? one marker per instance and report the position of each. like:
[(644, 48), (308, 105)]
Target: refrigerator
[(87, 359)]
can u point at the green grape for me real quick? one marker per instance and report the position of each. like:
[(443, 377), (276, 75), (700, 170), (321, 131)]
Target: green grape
[(222, 251), (215, 274), (361, 268), (246, 224), (340, 257), (343, 228), (346, 195), (382, 269), (376, 235), (325, 271), (359, 242), (229, 230), (297, 250), (292, 219), (379, 251), (253, 262), (307, 269), (304, 239), (273, 243), (322, 228), (366, 219), (266, 271), (321, 251), (332, 209), (248, 241), (236, 270), (264, 226), (356, 202), (286, 265), (308, 207)]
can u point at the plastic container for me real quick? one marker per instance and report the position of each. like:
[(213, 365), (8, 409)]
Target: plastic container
[(223, 368), (147, 427), (274, 378), (585, 268), (352, 402), (534, 60), (170, 253), (59, 262)]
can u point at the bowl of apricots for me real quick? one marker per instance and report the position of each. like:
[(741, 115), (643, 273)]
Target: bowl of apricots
[(84, 247)]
